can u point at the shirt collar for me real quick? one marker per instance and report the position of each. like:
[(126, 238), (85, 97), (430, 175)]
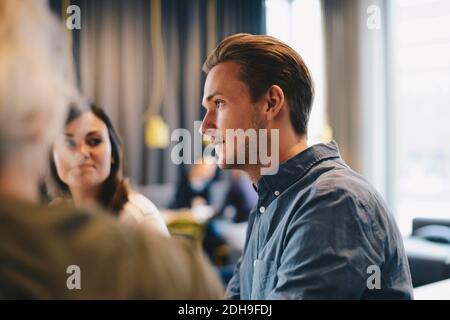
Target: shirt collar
[(296, 167)]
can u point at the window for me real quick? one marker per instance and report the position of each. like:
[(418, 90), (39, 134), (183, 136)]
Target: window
[(298, 23), (421, 109)]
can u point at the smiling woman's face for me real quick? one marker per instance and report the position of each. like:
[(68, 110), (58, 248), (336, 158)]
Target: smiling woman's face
[(82, 153)]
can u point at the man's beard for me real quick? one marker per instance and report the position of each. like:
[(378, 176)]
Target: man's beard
[(250, 148)]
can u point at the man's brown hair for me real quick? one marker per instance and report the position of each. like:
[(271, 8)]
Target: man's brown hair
[(265, 61)]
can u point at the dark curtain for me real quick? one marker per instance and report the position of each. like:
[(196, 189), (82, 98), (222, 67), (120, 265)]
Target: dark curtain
[(185, 32), (235, 16)]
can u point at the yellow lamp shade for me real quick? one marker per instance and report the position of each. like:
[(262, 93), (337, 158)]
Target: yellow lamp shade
[(156, 133)]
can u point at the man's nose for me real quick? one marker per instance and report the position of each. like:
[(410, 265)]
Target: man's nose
[(208, 123)]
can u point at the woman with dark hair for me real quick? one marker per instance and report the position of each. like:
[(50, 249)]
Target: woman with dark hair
[(86, 166)]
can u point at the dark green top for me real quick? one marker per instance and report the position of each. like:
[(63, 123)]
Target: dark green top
[(38, 244)]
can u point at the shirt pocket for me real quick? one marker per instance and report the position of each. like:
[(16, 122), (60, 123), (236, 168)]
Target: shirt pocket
[(264, 277)]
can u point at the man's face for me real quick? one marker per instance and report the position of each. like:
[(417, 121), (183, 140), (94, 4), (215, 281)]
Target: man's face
[(229, 106)]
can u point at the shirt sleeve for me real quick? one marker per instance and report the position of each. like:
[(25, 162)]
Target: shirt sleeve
[(329, 245), (233, 291)]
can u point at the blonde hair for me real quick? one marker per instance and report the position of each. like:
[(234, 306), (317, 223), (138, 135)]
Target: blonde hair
[(35, 84)]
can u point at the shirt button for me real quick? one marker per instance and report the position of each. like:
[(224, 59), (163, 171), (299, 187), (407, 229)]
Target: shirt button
[(277, 193), (262, 209)]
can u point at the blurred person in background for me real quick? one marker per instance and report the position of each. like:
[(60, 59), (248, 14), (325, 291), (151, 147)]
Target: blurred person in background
[(226, 230), (240, 198), (86, 166), (38, 244), (194, 185)]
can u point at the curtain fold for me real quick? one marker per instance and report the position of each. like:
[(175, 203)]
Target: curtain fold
[(356, 78), (234, 16)]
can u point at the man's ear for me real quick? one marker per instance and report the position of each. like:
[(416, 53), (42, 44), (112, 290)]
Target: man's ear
[(275, 101)]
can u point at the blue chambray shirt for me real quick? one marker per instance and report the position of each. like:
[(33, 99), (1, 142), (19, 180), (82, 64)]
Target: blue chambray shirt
[(320, 231)]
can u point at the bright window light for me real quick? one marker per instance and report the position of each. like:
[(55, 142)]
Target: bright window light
[(299, 24)]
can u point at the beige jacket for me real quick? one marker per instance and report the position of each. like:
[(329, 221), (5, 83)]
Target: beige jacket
[(140, 210)]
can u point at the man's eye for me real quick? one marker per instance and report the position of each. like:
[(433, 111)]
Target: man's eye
[(220, 104), (94, 142)]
